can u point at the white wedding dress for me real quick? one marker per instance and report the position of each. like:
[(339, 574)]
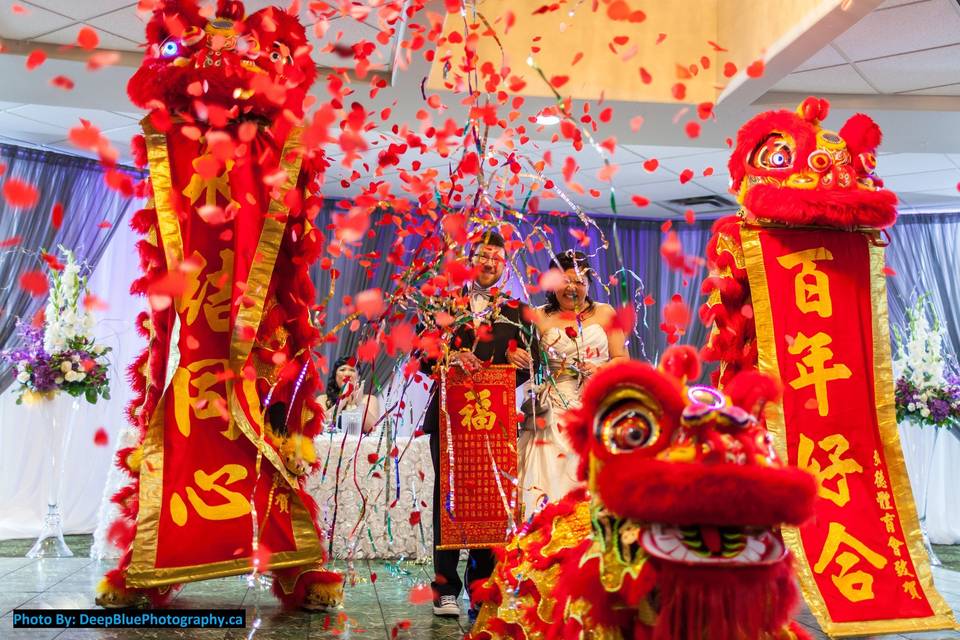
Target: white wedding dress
[(546, 463)]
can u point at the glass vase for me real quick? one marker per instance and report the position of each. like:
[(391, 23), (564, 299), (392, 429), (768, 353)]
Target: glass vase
[(53, 413)]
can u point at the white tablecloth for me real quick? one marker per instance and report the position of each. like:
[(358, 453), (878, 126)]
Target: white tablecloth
[(379, 509), (932, 456)]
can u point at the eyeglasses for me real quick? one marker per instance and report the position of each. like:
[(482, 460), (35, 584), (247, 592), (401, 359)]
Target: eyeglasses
[(481, 258)]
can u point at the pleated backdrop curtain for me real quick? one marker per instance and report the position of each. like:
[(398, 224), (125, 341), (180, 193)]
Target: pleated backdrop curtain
[(91, 214), (640, 240), (925, 254), (646, 271)]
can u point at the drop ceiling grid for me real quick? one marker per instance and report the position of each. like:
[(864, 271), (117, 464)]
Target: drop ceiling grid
[(879, 53)]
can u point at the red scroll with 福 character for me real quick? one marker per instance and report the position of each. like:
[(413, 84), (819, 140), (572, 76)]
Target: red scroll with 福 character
[(820, 306), (478, 457)]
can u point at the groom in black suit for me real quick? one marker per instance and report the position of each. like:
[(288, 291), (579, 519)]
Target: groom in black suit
[(497, 324)]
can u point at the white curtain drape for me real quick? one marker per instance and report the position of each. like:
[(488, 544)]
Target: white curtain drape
[(24, 456)]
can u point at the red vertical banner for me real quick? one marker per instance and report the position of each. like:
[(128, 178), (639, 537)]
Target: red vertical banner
[(478, 457), (820, 307)]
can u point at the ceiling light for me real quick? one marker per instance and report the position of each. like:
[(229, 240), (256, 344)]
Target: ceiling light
[(548, 120)]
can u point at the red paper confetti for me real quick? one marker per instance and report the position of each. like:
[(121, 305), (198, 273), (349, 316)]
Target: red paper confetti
[(88, 38), (34, 282), (755, 70), (35, 59), (421, 594), (692, 129), (62, 82), (100, 437), (20, 194)]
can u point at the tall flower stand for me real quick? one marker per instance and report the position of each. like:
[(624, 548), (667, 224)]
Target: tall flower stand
[(918, 442), (52, 414)]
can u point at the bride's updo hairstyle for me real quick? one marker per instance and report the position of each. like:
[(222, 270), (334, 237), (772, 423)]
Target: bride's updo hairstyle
[(570, 259)]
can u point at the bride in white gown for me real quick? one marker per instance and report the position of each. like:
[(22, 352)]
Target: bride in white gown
[(574, 336)]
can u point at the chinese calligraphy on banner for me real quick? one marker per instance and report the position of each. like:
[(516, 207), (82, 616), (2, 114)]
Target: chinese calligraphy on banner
[(820, 306), (206, 464), (479, 500)]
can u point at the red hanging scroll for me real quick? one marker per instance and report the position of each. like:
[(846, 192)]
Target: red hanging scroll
[(820, 305), (478, 457)]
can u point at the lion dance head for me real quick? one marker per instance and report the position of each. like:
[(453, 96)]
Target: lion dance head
[(787, 169), (222, 63), (677, 533)]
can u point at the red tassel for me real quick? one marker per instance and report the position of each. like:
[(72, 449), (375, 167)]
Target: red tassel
[(700, 603)]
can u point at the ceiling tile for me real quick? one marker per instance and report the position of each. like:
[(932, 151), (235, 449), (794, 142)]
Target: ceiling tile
[(589, 158), (19, 128), (630, 175), (126, 23), (904, 28), (120, 136), (82, 9), (893, 164), (928, 181), (64, 118), (913, 71), (107, 40), (660, 191), (23, 26), (887, 4), (255, 5), (661, 152), (717, 184), (345, 33), (931, 199), (826, 57), (717, 160), (946, 90), (842, 79)]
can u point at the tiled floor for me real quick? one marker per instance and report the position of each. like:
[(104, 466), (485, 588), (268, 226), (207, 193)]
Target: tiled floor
[(372, 609)]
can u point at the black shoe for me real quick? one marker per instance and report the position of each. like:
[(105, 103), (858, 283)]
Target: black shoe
[(447, 607)]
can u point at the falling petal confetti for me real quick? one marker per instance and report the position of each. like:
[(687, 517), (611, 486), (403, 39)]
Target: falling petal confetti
[(100, 437), (20, 194)]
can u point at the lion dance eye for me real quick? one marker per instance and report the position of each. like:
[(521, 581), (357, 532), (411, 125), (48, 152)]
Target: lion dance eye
[(775, 153), (169, 49), (627, 424)]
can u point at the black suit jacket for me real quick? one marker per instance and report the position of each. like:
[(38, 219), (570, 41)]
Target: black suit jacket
[(507, 325)]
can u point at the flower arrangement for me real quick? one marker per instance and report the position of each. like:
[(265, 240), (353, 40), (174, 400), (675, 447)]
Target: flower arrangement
[(927, 389), (61, 355)]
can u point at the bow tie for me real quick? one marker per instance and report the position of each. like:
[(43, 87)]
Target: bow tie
[(480, 292)]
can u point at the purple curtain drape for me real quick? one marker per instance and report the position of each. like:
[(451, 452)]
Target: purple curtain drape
[(92, 212), (925, 253), (640, 243)]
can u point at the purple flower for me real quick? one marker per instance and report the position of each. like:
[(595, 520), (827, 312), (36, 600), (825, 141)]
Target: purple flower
[(939, 410)]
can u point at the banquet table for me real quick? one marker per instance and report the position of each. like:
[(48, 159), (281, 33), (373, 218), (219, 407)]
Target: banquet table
[(375, 496), (931, 455)]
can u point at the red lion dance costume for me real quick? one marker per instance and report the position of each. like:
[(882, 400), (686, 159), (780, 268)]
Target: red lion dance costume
[(786, 170), (225, 389), (676, 536)]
